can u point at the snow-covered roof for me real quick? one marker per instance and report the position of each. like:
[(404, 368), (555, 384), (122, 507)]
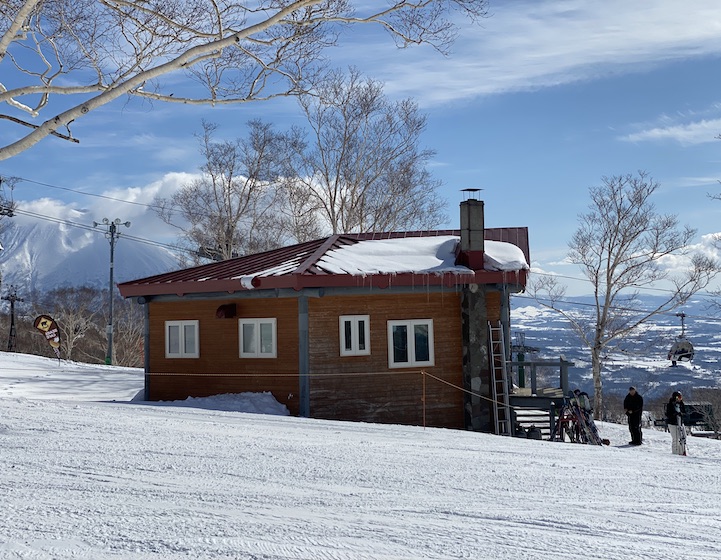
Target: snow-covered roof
[(345, 260), (419, 254)]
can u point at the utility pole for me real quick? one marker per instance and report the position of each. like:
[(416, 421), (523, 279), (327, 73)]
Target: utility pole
[(12, 297), (111, 234)]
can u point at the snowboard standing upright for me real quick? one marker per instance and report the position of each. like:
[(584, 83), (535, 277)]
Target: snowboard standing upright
[(681, 432)]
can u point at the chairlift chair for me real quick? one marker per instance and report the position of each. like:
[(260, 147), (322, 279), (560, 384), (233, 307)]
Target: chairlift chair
[(682, 349)]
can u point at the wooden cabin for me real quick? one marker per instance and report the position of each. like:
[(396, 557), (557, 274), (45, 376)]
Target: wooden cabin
[(373, 327)]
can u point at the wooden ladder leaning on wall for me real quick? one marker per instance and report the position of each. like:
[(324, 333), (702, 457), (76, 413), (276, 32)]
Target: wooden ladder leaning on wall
[(499, 381)]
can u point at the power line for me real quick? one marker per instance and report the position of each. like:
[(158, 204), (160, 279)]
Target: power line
[(87, 227), (90, 228), (103, 196)]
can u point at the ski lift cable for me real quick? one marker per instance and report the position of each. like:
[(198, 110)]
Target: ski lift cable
[(576, 303)]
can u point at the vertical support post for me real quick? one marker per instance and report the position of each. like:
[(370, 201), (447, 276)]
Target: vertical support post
[(111, 234), (521, 370), (146, 347), (564, 375), (303, 357), (109, 353), (533, 380)]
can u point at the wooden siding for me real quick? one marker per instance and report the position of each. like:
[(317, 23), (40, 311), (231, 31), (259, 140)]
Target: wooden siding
[(493, 306), (355, 388), (219, 369), (364, 387)]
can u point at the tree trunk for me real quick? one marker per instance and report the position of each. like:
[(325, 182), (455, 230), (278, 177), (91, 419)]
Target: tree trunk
[(597, 382)]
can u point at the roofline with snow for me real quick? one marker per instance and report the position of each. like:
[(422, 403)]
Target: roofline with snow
[(247, 273), (300, 282)]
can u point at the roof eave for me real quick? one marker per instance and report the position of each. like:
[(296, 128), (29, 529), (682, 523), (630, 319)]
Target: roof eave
[(303, 281)]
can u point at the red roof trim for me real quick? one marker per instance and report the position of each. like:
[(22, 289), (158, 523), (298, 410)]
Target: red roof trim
[(299, 282)]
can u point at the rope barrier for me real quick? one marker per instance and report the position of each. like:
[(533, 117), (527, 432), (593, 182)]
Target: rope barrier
[(296, 374), (423, 373), (339, 375)]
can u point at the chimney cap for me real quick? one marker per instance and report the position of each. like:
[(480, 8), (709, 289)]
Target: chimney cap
[(470, 193)]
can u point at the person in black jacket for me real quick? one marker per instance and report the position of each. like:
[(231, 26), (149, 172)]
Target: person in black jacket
[(633, 407), (675, 409)]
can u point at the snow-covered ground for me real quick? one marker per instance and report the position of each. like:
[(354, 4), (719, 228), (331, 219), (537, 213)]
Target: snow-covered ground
[(88, 473)]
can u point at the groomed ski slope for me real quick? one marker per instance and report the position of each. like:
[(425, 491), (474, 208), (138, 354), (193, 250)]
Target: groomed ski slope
[(92, 480)]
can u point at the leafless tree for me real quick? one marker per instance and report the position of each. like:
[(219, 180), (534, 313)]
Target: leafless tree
[(63, 59), (301, 212), (129, 327), (77, 311), (230, 210), (362, 171), (620, 246), (363, 166)]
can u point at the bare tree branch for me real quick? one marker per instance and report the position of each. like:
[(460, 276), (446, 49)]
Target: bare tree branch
[(229, 210), (364, 168), (91, 52), (25, 123)]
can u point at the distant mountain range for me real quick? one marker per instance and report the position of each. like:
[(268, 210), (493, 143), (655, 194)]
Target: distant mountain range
[(643, 362), (45, 255)]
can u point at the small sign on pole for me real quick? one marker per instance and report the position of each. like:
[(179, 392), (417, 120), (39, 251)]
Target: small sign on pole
[(47, 325)]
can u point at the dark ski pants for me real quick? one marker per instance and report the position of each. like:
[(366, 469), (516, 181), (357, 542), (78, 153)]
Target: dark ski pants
[(634, 426)]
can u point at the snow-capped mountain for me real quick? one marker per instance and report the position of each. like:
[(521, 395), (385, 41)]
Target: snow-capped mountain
[(45, 255)]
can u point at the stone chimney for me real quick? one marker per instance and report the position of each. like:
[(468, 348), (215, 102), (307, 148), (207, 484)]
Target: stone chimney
[(472, 231)]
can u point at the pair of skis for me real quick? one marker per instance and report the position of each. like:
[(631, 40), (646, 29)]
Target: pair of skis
[(586, 430)]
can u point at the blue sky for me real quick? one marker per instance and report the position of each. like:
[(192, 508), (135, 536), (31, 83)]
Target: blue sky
[(534, 106)]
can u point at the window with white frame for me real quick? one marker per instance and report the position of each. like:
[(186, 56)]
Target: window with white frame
[(181, 339), (354, 335), (410, 343), (257, 338)]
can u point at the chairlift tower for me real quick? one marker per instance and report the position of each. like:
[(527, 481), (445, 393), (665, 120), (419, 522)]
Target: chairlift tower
[(12, 297)]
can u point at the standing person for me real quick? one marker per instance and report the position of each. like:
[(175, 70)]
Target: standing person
[(675, 409), (633, 407)]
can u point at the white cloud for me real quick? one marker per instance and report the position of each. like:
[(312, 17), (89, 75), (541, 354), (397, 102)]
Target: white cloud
[(129, 204), (144, 195), (696, 181), (699, 132), (46, 207), (134, 204), (530, 45)]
